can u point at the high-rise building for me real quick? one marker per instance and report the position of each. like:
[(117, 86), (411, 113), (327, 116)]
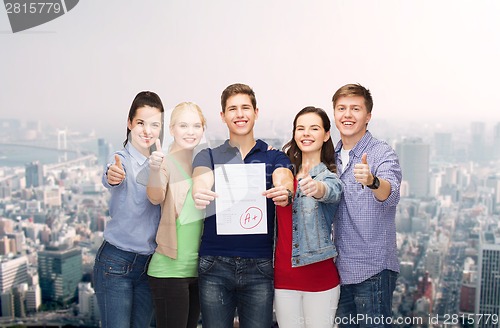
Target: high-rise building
[(52, 196), (496, 141), (435, 184), (7, 304), (467, 297), (103, 149), (477, 148), (87, 301), (4, 245), (60, 272), (5, 189), (493, 182), (19, 293), (45, 235), (443, 146), (101, 223), (13, 272), (18, 240), (414, 158), (33, 298), (34, 174), (488, 284), (6, 226), (433, 262)]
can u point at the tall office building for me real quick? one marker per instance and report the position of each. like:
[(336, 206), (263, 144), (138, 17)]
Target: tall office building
[(4, 245), (87, 301), (488, 284), (13, 272), (60, 272), (493, 182), (33, 298), (18, 241), (34, 174), (7, 304), (414, 158), (19, 293), (477, 148), (52, 196), (443, 146), (433, 261), (6, 226), (496, 141), (435, 183), (103, 149), (5, 189)]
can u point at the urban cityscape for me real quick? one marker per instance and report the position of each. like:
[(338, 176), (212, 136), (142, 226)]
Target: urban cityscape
[(53, 211)]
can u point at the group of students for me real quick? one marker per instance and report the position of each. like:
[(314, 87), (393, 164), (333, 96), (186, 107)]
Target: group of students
[(162, 250)]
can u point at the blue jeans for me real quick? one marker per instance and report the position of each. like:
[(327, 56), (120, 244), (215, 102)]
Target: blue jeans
[(230, 283), (369, 303), (122, 289)]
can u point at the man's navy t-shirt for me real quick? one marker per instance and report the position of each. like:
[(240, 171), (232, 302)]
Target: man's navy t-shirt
[(246, 246)]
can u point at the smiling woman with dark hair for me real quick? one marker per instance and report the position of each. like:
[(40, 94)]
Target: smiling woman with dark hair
[(306, 280), (120, 279)]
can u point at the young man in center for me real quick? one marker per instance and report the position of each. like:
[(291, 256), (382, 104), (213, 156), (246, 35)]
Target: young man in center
[(236, 271)]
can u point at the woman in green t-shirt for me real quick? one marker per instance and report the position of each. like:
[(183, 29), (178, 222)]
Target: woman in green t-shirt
[(173, 270)]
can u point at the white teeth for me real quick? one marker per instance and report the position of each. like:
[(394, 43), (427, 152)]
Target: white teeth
[(307, 142), (240, 123), (348, 123)]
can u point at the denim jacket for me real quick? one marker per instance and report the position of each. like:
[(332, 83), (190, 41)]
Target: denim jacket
[(312, 220)]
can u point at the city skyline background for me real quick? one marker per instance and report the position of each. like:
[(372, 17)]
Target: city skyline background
[(432, 68), (427, 63)]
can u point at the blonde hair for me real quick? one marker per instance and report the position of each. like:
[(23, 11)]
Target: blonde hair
[(186, 106)]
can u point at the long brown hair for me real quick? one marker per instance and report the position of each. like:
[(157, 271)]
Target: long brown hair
[(327, 150)]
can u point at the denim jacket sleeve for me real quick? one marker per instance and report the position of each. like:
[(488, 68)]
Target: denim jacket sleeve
[(333, 187), (329, 203)]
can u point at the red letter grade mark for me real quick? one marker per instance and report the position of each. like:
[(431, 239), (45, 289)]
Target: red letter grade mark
[(251, 218)]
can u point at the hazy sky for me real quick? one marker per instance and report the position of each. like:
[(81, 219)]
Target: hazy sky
[(427, 61)]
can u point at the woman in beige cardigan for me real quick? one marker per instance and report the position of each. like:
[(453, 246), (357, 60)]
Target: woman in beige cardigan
[(173, 270)]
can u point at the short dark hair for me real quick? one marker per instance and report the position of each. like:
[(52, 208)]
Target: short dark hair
[(234, 89)]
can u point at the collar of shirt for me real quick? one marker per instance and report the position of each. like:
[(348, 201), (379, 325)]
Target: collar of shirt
[(360, 146), (135, 154), (357, 150), (259, 146)]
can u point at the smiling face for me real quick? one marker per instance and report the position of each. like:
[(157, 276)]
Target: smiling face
[(351, 118), (187, 129), (240, 115), (310, 134), (145, 128)]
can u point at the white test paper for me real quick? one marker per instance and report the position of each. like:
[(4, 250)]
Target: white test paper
[(240, 206)]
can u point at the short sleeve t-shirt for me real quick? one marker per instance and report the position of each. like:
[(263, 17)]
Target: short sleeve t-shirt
[(246, 246)]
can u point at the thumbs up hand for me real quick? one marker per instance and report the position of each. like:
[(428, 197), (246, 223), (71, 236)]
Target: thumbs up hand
[(156, 157), (362, 172), (115, 172), (309, 186)]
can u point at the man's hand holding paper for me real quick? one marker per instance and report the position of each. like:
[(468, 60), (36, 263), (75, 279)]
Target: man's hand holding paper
[(241, 206)]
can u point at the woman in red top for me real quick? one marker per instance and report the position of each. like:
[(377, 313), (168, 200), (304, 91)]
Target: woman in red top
[(306, 280)]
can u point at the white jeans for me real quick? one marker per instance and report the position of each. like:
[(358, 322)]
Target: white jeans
[(296, 309)]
